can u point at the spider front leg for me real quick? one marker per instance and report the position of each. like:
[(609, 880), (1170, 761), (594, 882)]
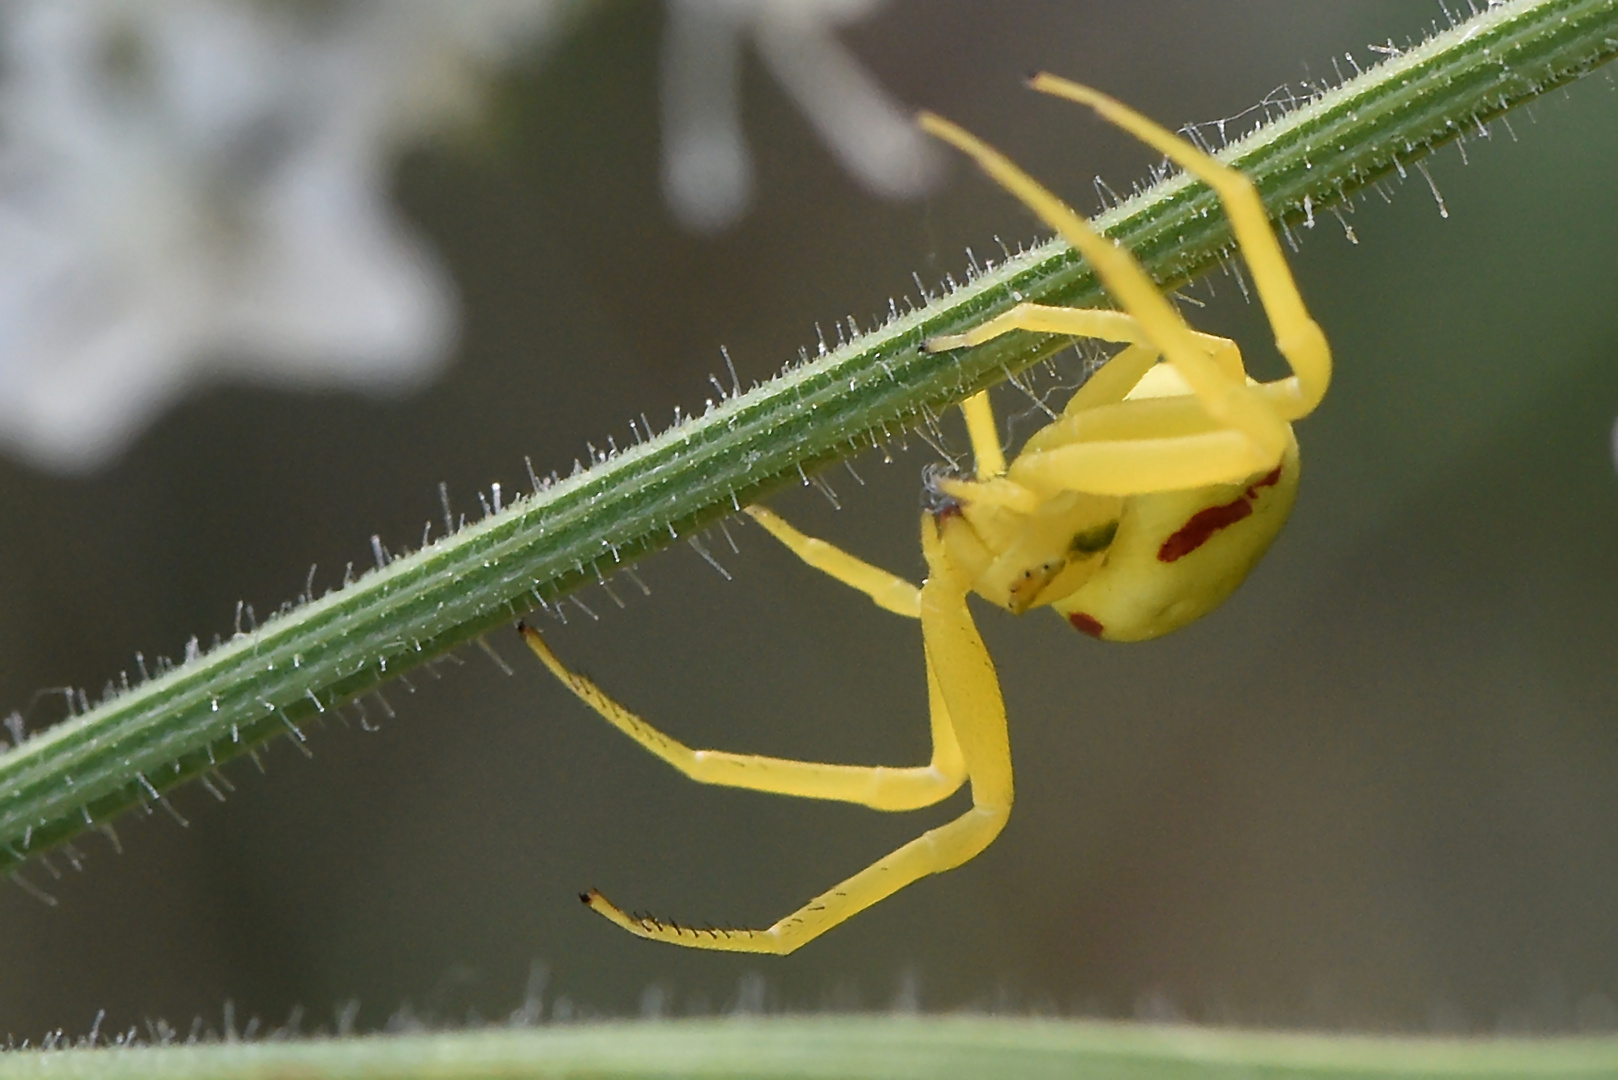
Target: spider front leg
[(1227, 400), (1297, 336), (966, 690), (1257, 414)]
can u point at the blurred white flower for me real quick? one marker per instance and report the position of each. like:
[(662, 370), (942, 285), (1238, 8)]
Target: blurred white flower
[(198, 190), (707, 173), (193, 189)]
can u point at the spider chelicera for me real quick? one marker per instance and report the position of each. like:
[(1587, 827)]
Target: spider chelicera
[(1138, 510)]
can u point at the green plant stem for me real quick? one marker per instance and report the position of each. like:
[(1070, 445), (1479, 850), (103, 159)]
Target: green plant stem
[(849, 1048), (131, 747)]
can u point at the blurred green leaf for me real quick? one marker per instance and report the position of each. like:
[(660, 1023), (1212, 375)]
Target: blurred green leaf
[(851, 1048)]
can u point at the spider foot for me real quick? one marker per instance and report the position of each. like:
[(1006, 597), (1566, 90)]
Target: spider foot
[(653, 929), (945, 493), (946, 342)]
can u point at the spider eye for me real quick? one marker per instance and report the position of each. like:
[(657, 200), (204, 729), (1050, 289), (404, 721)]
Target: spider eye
[(1094, 539)]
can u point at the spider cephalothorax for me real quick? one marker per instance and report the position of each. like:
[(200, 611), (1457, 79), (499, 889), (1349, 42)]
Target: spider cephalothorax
[(1139, 509)]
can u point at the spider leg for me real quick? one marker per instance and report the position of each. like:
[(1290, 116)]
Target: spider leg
[(1227, 399), (878, 787), (1153, 462), (966, 686), (1122, 448), (1113, 428), (986, 451), (1079, 322), (1114, 379), (1297, 336), (888, 591), (1100, 323), (1150, 442)]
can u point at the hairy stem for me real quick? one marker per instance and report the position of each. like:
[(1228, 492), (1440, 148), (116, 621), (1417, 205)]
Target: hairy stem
[(140, 741)]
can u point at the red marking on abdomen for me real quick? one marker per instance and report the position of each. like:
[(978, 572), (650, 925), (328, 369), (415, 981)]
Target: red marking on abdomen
[(1270, 479), (1086, 624), (1203, 524)]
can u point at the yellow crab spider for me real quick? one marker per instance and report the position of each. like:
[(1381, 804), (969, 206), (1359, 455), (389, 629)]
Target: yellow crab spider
[(1136, 511)]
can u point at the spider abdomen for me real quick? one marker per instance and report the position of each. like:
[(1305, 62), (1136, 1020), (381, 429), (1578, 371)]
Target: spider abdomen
[(1179, 554)]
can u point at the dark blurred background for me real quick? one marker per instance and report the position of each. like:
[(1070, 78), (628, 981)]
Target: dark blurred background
[(1378, 789)]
